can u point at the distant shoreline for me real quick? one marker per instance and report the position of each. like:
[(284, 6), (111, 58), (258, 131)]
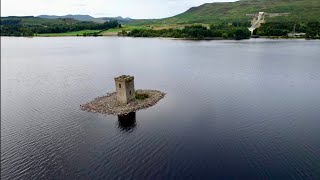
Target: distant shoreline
[(187, 39)]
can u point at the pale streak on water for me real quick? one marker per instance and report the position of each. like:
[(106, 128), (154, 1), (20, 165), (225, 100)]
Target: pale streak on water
[(234, 109)]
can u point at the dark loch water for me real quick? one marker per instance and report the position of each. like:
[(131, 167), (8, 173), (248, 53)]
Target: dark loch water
[(234, 109)]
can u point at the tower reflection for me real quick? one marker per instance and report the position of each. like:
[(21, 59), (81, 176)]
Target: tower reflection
[(127, 122)]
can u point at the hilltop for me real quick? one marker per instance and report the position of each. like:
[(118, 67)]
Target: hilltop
[(280, 18), (80, 17), (292, 10)]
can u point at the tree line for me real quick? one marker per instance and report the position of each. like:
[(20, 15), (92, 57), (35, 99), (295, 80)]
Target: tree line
[(234, 30), (29, 26), (312, 29), (194, 32), (17, 27)]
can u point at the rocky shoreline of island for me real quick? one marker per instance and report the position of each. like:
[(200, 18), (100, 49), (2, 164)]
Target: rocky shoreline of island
[(109, 105)]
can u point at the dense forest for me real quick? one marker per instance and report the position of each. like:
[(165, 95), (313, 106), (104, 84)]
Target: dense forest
[(29, 26), (234, 30), (194, 32), (312, 29)]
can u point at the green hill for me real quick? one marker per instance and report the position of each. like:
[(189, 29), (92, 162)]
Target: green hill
[(31, 21), (88, 18), (295, 10), (78, 17)]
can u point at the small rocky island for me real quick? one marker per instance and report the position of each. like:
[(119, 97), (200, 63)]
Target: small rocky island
[(125, 100)]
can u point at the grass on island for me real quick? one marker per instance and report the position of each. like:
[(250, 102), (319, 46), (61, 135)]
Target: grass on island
[(142, 96), (73, 33)]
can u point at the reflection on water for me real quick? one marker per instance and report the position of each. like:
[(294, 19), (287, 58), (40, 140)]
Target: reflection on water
[(127, 122), (234, 109)]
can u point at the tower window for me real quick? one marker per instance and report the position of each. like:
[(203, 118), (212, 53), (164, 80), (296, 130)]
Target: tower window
[(130, 92), (119, 85)]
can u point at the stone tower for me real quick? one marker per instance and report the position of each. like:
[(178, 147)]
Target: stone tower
[(125, 88)]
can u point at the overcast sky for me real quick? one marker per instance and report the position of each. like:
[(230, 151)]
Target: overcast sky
[(100, 8)]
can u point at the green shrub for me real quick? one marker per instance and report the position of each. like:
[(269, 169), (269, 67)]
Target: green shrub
[(142, 96), (225, 35)]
